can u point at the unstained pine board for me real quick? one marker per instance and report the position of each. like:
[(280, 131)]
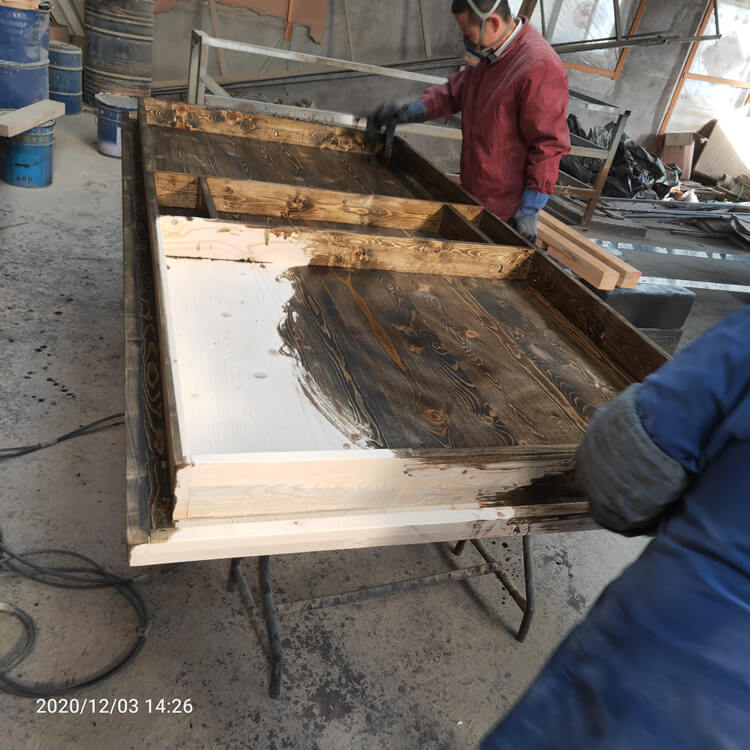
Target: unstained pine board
[(273, 358)]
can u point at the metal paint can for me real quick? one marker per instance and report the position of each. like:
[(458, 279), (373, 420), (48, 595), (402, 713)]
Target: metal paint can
[(109, 109), (28, 157)]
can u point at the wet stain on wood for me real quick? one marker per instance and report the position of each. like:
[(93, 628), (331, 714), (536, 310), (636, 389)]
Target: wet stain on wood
[(421, 361)]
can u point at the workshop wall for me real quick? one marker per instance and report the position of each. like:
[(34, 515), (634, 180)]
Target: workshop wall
[(378, 35), (381, 37)]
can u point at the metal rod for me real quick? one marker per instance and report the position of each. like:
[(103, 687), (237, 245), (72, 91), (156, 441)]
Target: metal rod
[(329, 62), (237, 580), (530, 583), (272, 625), (515, 594), (388, 589), (571, 47), (459, 548)]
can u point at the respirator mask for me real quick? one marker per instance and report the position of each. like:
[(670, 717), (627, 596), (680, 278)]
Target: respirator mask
[(475, 53)]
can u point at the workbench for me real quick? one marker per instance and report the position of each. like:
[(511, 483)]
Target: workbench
[(328, 349)]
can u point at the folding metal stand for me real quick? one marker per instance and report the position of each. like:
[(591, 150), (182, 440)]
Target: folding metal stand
[(272, 609)]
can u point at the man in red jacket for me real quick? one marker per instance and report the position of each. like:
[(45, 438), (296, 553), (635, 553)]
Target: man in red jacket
[(513, 99)]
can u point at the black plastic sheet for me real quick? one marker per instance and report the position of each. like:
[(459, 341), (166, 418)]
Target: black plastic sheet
[(635, 173)]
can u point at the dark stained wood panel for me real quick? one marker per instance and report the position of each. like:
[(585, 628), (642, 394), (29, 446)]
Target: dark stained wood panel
[(436, 362), (216, 155)]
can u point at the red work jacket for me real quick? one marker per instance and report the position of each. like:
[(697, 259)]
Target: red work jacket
[(513, 120)]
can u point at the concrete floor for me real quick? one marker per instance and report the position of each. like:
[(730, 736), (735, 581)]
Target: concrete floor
[(434, 669)]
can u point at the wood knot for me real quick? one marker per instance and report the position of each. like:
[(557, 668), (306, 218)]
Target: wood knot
[(434, 416), (470, 334)]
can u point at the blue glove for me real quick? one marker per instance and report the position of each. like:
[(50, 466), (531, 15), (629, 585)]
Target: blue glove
[(525, 219)]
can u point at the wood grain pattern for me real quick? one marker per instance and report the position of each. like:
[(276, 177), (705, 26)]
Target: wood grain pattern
[(148, 489), (609, 333), (456, 226), (415, 167), (289, 202), (261, 127), (175, 449), (203, 540), (287, 247), (380, 480)]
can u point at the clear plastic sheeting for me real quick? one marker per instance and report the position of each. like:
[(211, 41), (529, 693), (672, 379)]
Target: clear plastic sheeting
[(727, 58), (583, 20)]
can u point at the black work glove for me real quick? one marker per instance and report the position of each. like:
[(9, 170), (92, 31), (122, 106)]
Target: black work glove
[(525, 223), (393, 113)]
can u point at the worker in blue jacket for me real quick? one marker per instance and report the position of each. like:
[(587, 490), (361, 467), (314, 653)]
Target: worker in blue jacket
[(662, 662)]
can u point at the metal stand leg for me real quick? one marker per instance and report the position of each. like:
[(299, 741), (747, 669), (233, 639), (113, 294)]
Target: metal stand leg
[(271, 611), (272, 624), (528, 574), (459, 548), (525, 604)]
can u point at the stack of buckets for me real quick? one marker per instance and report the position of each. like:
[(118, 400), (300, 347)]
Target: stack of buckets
[(26, 158)]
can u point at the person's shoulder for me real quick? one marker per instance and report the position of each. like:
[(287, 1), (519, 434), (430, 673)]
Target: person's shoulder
[(544, 59)]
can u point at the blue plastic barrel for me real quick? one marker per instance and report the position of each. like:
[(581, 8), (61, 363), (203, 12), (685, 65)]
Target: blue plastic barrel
[(66, 75), (109, 108), (28, 157), (24, 44)]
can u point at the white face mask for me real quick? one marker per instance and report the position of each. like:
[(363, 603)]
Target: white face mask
[(475, 53)]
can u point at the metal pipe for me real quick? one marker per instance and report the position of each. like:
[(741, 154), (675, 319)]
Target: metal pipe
[(618, 19), (571, 47), (327, 62)]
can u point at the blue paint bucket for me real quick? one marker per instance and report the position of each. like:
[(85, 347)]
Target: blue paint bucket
[(24, 34), (24, 41), (66, 76), (28, 157), (109, 108)]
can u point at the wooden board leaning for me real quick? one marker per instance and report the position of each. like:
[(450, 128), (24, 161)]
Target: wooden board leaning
[(352, 351)]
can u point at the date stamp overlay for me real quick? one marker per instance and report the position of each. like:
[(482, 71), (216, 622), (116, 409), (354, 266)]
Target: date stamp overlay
[(113, 706)]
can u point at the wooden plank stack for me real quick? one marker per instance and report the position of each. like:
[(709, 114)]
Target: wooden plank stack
[(596, 265), (349, 350)]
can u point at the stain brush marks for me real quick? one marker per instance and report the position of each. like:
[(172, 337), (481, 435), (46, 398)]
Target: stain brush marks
[(324, 377)]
